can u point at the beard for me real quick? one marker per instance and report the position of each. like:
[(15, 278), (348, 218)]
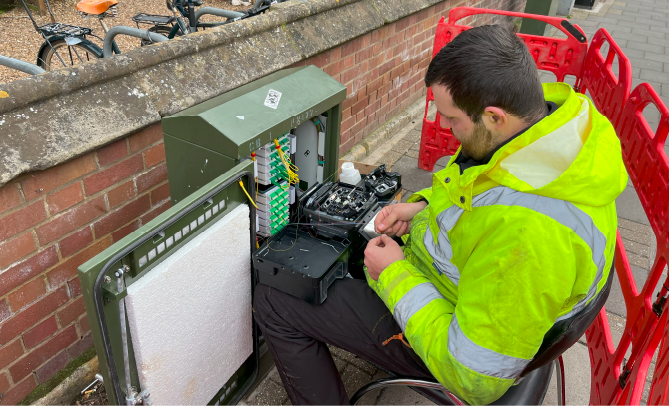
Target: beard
[(478, 144)]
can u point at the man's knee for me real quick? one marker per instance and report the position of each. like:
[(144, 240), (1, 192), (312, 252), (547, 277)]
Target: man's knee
[(261, 306)]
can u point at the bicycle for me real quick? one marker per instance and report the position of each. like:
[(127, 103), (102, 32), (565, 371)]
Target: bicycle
[(185, 19), (64, 42)]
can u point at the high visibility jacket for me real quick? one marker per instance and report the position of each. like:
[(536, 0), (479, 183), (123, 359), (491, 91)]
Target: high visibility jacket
[(508, 248)]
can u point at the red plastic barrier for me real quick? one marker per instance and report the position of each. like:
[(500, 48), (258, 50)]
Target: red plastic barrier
[(614, 379), (608, 92), (558, 55)]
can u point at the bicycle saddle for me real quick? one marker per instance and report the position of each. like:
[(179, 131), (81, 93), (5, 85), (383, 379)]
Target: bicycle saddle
[(95, 7)]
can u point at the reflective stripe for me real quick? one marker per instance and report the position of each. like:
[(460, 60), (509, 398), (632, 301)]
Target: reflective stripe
[(442, 251), (480, 359), (414, 300), (564, 212), (388, 289)]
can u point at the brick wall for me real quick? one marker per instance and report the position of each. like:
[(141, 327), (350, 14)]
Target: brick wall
[(53, 221)]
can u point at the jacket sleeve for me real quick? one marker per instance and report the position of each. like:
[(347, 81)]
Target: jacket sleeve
[(509, 294), (424, 194)]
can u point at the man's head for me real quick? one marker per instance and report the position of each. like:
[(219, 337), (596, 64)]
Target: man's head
[(486, 88)]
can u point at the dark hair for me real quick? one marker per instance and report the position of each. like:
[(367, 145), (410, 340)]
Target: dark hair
[(489, 66)]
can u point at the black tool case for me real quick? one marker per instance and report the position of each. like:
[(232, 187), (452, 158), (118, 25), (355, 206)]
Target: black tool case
[(302, 262)]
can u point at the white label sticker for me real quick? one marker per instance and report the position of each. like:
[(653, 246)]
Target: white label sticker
[(273, 98), (240, 117)]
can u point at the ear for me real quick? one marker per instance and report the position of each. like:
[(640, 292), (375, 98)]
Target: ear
[(495, 118)]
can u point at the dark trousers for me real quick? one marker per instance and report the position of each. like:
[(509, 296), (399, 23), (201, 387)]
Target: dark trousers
[(353, 318)]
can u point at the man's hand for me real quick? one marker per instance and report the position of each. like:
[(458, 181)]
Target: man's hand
[(380, 253), (396, 218)]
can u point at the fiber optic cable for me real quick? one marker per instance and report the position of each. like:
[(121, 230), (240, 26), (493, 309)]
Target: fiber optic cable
[(248, 195)]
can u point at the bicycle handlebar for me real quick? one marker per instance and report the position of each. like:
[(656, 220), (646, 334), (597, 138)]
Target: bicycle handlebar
[(133, 32)]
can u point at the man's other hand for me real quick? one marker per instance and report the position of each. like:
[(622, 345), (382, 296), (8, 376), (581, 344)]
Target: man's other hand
[(396, 218), (380, 253)]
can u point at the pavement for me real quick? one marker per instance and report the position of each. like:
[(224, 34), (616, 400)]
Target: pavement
[(641, 29)]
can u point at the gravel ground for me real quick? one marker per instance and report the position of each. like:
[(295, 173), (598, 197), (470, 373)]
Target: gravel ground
[(18, 38)]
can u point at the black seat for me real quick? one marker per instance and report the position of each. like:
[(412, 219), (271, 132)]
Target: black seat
[(533, 385)]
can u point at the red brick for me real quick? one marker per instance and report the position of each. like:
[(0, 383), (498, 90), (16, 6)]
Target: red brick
[(350, 74), (54, 365), (157, 211), (112, 152), (121, 194), (19, 391), (70, 312), (374, 85), (67, 269), (145, 137), (349, 61), (52, 178), (75, 287), (350, 100), (364, 54), (346, 114), (122, 216), (345, 125), (351, 47), (4, 383), (371, 109), (380, 34), (334, 68), (26, 270), (151, 178), (41, 354), (154, 155), (65, 198), (20, 322), (81, 345), (15, 249), (75, 242), (4, 310), (160, 193), (386, 67), (10, 352), (358, 107), (102, 180), (9, 197), (321, 59), (22, 219), (26, 294), (84, 327), (122, 232), (357, 128), (40, 332), (71, 220)]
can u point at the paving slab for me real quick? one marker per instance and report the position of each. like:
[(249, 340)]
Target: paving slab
[(577, 378), (629, 206)]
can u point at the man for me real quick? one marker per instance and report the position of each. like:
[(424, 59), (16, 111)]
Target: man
[(516, 233)]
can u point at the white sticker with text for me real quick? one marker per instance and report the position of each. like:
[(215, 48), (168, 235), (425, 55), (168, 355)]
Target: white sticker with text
[(273, 98)]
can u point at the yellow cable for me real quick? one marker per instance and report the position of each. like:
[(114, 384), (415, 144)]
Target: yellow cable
[(247, 194), (293, 179)]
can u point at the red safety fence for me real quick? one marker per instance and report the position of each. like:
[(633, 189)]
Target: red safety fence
[(615, 379)]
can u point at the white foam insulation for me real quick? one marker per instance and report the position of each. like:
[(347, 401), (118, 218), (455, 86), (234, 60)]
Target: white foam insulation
[(190, 316)]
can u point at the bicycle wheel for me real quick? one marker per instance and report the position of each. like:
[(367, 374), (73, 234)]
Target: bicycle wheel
[(61, 55)]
